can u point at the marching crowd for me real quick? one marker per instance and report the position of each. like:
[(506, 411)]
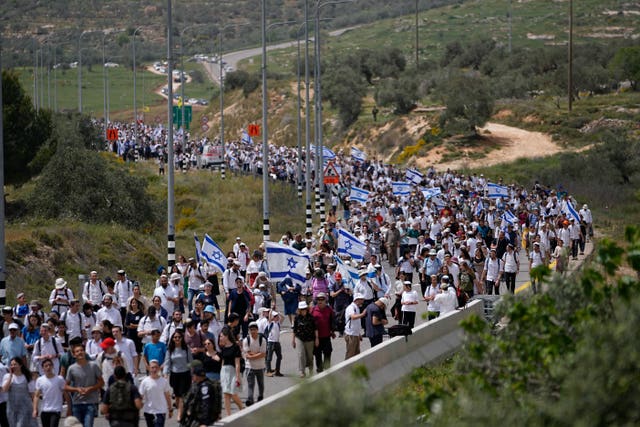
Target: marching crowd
[(199, 334)]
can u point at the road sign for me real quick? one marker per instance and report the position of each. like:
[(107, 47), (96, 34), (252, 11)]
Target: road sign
[(177, 115), (112, 134), (331, 175), (253, 130), (204, 119), (205, 127)]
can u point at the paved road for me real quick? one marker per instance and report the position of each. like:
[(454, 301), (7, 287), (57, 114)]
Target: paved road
[(289, 364), (233, 58)]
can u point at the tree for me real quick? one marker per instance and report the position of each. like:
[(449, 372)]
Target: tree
[(25, 131), (343, 88), (401, 93), (626, 65), (82, 184), (468, 101)]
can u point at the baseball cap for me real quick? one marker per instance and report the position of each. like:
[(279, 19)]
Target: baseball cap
[(107, 342), (14, 326)]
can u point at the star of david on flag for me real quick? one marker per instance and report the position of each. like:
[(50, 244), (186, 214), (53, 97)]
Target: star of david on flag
[(213, 254), (350, 245), (414, 176), (401, 188), (494, 191), (359, 195), (358, 155), (285, 261)]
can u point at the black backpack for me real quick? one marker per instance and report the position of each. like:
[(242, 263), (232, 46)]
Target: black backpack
[(121, 405)]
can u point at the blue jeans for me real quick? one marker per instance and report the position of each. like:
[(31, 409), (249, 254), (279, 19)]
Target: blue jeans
[(192, 293), (84, 412), (154, 420)]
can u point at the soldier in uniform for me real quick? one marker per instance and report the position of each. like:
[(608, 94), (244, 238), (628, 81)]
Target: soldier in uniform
[(203, 403)]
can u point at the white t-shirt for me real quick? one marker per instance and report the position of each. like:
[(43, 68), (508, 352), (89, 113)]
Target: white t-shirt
[(153, 395), (352, 327), (410, 296), (51, 390)]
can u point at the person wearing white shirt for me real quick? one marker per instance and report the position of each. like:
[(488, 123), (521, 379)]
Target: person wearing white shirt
[(152, 321), (167, 293), (123, 291), (409, 303), (47, 348), (229, 277), (363, 287), (49, 393), (492, 273), (172, 326), (127, 349), (536, 259), (73, 320), (60, 297), (108, 311), (156, 395), (445, 300), (272, 332), (353, 325), (511, 267), (433, 310)]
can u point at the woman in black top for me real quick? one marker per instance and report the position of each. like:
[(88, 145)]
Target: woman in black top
[(211, 361), (135, 312), (230, 376)]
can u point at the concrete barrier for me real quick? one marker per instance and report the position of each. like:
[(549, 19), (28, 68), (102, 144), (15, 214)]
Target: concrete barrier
[(386, 363)]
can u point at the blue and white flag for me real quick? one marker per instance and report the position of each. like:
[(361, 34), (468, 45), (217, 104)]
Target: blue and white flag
[(349, 273), (213, 254), (479, 208), (414, 176), (198, 248), (494, 191), (350, 245), (431, 192), (509, 217), (327, 154), (285, 261), (439, 202), (570, 211), (246, 138), (359, 195), (358, 155), (401, 188)]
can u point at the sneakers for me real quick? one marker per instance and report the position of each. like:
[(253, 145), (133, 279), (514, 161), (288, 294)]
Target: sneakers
[(278, 374), (248, 402), (269, 373)]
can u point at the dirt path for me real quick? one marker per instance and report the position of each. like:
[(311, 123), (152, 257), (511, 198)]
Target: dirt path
[(514, 143), (176, 86)]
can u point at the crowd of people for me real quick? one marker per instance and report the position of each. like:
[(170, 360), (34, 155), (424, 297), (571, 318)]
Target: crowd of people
[(198, 334)]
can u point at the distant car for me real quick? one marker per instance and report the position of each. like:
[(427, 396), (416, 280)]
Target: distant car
[(192, 101), (111, 65), (73, 65), (202, 102)]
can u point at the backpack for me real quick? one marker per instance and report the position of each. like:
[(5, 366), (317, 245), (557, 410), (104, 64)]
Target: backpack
[(121, 405)]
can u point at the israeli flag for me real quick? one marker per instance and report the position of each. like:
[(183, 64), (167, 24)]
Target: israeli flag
[(213, 254), (479, 208), (570, 211), (246, 138), (350, 245), (348, 272), (285, 261), (358, 155), (401, 188), (437, 200), (327, 154), (414, 176), (509, 217), (359, 195), (431, 192), (198, 248), (494, 191)]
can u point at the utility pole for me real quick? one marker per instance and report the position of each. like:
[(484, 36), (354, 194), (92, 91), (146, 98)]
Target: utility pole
[(265, 142), (570, 68), (417, 39), (171, 230), (3, 283)]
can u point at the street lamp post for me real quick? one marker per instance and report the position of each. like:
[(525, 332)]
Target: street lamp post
[(135, 95), (307, 124), (265, 140), (221, 70), (171, 233), (320, 187), (105, 83), (80, 67)]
